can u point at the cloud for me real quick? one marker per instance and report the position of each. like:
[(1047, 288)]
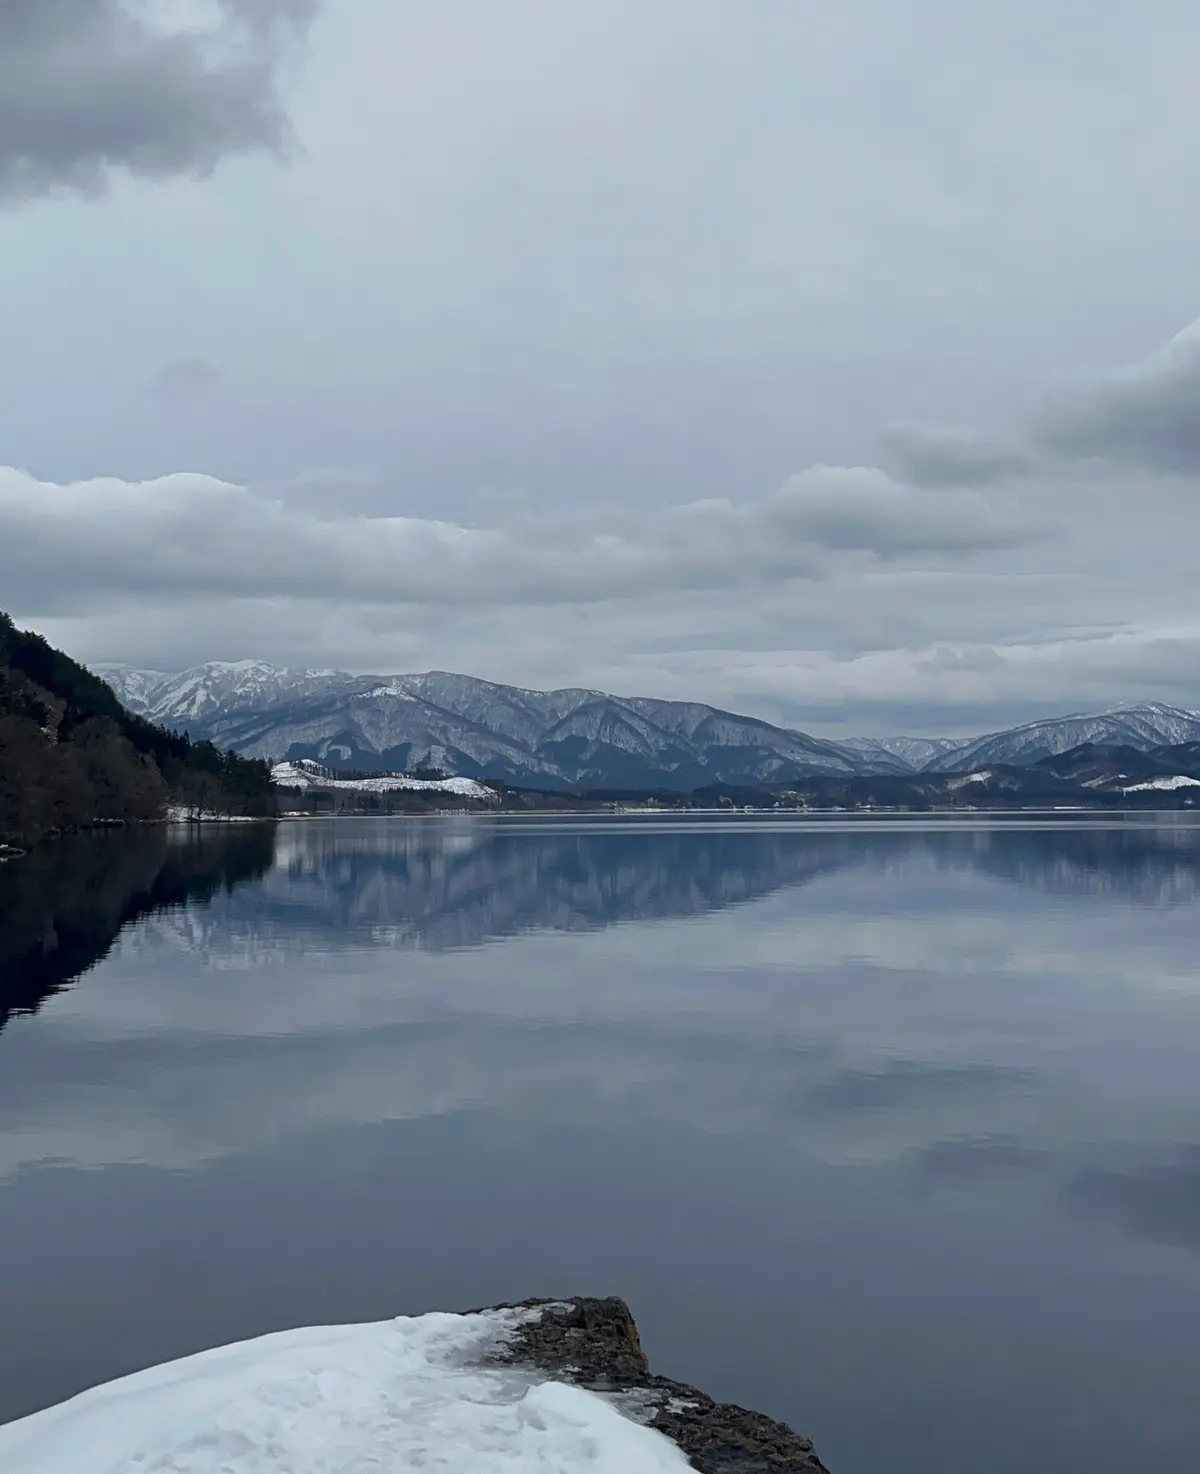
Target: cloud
[(182, 379), (73, 547), (969, 683), (88, 87), (943, 457), (1146, 416)]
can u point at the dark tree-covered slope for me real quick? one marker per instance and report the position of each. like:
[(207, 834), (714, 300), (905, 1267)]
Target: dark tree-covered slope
[(72, 756)]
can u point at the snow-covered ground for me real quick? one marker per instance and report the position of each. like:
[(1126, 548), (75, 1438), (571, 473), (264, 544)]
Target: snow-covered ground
[(177, 814), (1167, 784), (290, 775), (983, 776), (393, 1396)]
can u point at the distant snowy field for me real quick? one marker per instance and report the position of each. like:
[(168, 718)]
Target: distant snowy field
[(1167, 784), (369, 1399), (289, 775)]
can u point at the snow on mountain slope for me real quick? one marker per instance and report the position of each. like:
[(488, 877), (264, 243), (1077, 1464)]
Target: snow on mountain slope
[(191, 698), (899, 754), (473, 728), (482, 729), (1176, 780), (1144, 726)]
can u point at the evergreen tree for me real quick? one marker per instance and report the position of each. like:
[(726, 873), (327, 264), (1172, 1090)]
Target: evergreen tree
[(72, 756)]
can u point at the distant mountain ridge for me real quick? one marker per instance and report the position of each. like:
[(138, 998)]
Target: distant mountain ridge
[(574, 736), (474, 728), (1143, 726)]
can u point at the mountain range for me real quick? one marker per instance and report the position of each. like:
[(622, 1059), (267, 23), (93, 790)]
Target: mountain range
[(566, 738)]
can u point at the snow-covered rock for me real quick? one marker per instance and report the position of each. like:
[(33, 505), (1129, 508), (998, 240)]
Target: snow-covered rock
[(412, 1393)]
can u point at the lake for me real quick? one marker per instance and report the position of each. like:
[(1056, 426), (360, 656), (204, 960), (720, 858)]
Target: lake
[(888, 1129)]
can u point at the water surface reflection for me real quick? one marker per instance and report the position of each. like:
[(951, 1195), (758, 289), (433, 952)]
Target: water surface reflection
[(892, 1130)]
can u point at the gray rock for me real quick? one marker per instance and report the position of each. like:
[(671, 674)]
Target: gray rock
[(594, 1343)]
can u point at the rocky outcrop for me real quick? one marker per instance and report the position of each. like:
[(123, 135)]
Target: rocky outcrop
[(594, 1343)]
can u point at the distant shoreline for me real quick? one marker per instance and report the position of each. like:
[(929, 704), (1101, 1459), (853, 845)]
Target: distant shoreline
[(782, 814)]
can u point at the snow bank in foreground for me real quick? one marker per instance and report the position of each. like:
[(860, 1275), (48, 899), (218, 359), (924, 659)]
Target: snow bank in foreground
[(393, 1396), (289, 775)]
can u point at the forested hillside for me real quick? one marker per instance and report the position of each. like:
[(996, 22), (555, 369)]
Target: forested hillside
[(72, 756)]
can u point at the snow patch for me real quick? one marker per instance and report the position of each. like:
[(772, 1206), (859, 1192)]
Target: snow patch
[(983, 776), (176, 814), (298, 775), (401, 1394), (1167, 784)]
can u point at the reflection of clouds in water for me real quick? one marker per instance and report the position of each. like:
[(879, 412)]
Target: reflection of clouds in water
[(903, 1084), (963, 1161), (884, 1001), (175, 1104), (915, 898), (859, 1066), (1157, 1198)]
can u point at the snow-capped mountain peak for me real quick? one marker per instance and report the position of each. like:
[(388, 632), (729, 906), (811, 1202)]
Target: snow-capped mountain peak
[(194, 698), (476, 728), (1143, 726), (572, 736)]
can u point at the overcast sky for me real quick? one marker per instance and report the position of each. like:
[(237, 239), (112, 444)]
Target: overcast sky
[(824, 359)]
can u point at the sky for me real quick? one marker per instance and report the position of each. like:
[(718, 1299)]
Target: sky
[(827, 360)]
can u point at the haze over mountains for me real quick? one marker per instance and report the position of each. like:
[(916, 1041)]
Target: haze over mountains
[(482, 729)]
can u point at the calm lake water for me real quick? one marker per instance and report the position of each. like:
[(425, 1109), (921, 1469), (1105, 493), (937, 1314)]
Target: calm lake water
[(890, 1130)]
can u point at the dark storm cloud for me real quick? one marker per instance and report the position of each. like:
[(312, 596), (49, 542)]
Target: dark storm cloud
[(193, 536), (1146, 416), (88, 86), (941, 458)]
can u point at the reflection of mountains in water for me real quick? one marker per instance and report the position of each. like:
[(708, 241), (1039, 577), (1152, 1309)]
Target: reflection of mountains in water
[(439, 885), (1153, 866), (63, 905), (426, 886), (423, 885)]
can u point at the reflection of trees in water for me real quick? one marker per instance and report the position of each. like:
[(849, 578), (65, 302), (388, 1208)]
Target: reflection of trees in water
[(63, 905)]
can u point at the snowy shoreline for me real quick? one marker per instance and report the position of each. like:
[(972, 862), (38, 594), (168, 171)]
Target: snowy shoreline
[(546, 1385), (177, 814)]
